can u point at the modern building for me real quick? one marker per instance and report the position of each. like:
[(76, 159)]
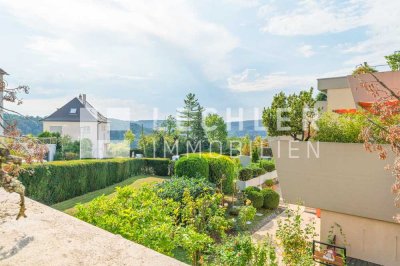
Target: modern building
[(80, 120), (346, 94), (349, 185)]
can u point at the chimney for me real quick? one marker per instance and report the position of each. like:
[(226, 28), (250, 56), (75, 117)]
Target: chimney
[(84, 99)]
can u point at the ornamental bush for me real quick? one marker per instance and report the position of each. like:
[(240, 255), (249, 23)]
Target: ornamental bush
[(192, 166), (249, 189), (245, 174), (267, 165), (54, 182), (221, 166), (257, 171), (175, 187), (345, 128), (257, 199), (271, 198), (218, 166)]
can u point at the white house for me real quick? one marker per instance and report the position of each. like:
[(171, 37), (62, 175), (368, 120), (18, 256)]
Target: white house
[(80, 120)]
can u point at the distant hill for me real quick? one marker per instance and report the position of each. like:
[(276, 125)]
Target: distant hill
[(249, 127), (33, 125), (26, 124)]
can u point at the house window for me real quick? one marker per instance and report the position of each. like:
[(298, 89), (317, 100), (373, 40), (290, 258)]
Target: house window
[(72, 111), (56, 129)]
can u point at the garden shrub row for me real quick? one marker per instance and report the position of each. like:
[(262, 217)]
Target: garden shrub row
[(54, 182), (210, 165), (256, 169), (266, 198)]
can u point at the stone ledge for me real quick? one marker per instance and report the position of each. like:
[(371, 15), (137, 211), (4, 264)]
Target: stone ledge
[(50, 237)]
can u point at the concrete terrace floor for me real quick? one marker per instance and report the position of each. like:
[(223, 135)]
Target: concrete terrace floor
[(50, 237)]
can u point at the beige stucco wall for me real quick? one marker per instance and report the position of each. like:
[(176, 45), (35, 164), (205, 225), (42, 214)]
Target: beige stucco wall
[(341, 98), (342, 177), (368, 239)]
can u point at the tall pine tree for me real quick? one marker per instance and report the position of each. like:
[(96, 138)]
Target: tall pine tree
[(192, 119)]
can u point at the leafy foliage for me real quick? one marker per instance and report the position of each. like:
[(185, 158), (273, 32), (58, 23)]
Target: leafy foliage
[(246, 213), (267, 165), (192, 119), (192, 166), (245, 174), (321, 97), (256, 198), (136, 214), (271, 198), (293, 108), (242, 251), (216, 131), (393, 61), (175, 187), (345, 128), (363, 69), (221, 171), (295, 239)]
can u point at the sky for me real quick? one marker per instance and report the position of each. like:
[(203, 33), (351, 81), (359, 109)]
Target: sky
[(133, 55)]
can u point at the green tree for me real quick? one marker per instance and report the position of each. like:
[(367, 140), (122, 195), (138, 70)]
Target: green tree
[(297, 113), (216, 130), (170, 125), (321, 97), (188, 113), (393, 61), (363, 69), (129, 136), (192, 119)]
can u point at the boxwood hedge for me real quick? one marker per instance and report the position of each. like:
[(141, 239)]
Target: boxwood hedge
[(218, 166), (54, 182), (192, 166), (271, 198)]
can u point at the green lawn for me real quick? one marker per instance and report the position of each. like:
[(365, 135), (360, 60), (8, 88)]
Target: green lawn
[(136, 181)]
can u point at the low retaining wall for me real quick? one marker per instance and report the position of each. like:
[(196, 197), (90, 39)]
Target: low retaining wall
[(50, 237)]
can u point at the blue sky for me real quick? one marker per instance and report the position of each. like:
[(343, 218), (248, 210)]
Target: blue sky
[(145, 54)]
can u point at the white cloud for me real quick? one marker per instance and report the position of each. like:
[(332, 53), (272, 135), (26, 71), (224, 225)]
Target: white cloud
[(53, 49), (312, 17), (244, 3), (46, 106), (127, 23), (250, 80), (306, 50)]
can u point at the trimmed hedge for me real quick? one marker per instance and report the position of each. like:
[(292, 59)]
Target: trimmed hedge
[(218, 165), (54, 182), (256, 197), (271, 198), (257, 171), (192, 166), (221, 165), (267, 165), (245, 174)]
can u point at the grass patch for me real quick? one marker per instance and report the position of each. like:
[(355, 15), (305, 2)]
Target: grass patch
[(136, 181)]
